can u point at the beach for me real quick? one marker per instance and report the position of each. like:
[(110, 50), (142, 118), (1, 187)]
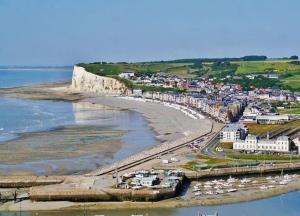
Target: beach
[(171, 127)]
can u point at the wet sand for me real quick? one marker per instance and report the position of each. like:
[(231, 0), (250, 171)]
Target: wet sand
[(170, 124), (51, 91)]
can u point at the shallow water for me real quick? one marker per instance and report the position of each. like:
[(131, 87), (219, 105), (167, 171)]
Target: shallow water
[(56, 137), (283, 205)]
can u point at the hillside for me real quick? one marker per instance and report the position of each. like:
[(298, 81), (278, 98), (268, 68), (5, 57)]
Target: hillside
[(289, 70), (106, 69)]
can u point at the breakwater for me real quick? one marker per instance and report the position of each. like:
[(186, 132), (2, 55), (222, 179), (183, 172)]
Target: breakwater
[(29, 181)]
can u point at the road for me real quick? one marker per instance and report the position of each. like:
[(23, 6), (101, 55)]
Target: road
[(211, 145)]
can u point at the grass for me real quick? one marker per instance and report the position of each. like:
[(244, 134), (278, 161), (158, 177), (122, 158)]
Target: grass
[(291, 111), (260, 157), (292, 81), (209, 162), (263, 67), (226, 145), (181, 69), (258, 129), (219, 70), (190, 165), (213, 161)]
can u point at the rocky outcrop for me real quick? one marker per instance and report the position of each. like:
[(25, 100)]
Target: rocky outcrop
[(84, 81)]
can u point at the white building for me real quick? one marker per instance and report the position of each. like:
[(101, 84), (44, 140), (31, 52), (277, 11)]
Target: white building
[(252, 143), (272, 119), (126, 75), (233, 132)]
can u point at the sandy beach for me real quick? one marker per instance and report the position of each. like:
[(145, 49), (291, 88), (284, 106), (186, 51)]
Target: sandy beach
[(169, 124)]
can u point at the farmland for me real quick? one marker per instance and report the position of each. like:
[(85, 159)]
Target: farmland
[(107, 69), (263, 67)]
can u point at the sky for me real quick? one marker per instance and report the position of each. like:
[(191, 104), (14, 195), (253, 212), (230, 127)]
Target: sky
[(65, 32)]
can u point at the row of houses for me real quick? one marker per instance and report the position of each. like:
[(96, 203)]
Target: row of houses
[(238, 135), (253, 143), (224, 111)]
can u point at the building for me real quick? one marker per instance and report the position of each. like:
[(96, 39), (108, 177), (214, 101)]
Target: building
[(233, 132), (126, 75), (272, 119), (252, 143)]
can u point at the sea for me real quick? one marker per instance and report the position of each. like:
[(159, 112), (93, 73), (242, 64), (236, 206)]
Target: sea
[(23, 118), (36, 130)]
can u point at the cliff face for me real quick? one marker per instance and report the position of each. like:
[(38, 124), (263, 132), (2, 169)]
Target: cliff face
[(84, 81)]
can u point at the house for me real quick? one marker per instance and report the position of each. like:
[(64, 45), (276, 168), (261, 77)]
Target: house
[(252, 143), (233, 132), (126, 75)]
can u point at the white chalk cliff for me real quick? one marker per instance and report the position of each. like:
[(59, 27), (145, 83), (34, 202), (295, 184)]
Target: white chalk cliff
[(84, 81)]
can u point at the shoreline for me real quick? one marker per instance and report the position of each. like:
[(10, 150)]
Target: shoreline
[(153, 119)]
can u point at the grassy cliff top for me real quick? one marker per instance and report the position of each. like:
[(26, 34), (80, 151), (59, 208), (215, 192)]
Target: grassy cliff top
[(288, 69)]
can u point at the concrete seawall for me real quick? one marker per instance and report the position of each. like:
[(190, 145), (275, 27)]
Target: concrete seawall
[(86, 82), (63, 193), (29, 181)]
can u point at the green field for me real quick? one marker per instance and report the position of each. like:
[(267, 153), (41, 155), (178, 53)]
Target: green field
[(226, 145), (258, 129), (264, 67), (293, 81), (291, 111), (261, 157), (107, 69)]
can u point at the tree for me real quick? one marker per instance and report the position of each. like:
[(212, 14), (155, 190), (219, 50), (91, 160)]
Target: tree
[(294, 57)]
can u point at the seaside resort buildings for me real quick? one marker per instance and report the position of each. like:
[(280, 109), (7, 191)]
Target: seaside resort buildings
[(252, 143), (226, 103)]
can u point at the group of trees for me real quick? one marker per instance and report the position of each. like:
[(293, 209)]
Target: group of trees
[(258, 82)]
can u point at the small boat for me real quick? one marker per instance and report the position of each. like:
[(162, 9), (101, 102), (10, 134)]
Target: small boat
[(263, 187), (245, 180), (196, 189), (227, 185), (231, 190), (271, 186), (198, 193), (198, 185), (231, 180), (283, 182), (207, 186), (215, 181), (241, 185), (219, 191), (269, 178), (209, 193), (208, 183)]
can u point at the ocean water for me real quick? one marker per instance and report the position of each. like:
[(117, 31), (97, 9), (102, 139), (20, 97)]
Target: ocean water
[(26, 76), (18, 116), (36, 129)]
